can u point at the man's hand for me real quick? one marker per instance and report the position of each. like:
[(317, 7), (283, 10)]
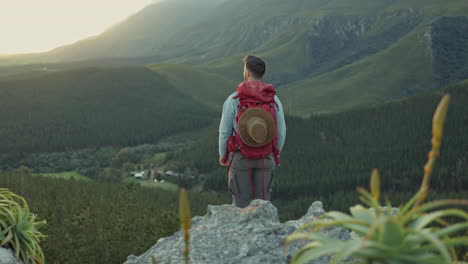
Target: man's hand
[(222, 162)]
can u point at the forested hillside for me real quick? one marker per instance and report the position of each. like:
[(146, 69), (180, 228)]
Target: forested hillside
[(90, 222), (204, 86), (45, 112)]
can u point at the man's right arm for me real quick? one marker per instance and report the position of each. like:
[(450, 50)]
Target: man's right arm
[(226, 124)]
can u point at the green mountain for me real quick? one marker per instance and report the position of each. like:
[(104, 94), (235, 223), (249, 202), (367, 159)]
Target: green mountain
[(323, 56), (56, 111), (407, 69), (190, 30), (242, 26), (425, 59)]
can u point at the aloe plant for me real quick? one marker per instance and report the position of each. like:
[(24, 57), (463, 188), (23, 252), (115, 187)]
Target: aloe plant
[(19, 229), (415, 233)]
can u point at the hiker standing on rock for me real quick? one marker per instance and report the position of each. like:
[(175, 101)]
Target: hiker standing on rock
[(251, 135)]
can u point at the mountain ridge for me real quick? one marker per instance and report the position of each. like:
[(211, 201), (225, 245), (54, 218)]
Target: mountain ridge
[(320, 54)]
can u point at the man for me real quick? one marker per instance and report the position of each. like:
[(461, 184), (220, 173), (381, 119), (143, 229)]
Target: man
[(250, 140)]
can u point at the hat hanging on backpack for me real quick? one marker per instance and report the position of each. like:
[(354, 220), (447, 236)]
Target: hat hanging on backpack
[(256, 127)]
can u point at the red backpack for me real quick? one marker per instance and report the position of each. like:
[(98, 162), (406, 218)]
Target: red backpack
[(255, 94)]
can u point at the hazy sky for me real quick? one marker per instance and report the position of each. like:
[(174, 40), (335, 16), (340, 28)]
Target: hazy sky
[(41, 25)]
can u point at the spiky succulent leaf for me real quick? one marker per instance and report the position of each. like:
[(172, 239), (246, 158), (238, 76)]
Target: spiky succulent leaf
[(391, 233), (19, 228), (434, 240), (427, 219), (314, 251), (345, 251), (363, 214), (375, 185)]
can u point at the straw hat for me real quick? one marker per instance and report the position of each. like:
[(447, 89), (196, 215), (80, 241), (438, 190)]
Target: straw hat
[(256, 127)]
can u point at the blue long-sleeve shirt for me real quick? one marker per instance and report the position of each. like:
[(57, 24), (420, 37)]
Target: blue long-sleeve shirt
[(228, 123)]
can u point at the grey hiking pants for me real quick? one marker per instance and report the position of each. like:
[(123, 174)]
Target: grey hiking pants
[(240, 182)]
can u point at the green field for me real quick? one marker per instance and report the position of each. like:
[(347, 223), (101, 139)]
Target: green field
[(168, 186), (64, 175)]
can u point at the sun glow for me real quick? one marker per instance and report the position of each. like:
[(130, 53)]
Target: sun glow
[(36, 26)]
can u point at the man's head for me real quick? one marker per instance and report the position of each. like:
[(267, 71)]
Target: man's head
[(254, 68)]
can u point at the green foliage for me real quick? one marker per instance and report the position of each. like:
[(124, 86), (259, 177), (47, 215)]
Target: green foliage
[(122, 157), (128, 167), (68, 175), (406, 236), (19, 229), (167, 186), (24, 171), (92, 222), (89, 162), (111, 175)]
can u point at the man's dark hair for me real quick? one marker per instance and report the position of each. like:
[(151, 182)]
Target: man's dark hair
[(255, 65)]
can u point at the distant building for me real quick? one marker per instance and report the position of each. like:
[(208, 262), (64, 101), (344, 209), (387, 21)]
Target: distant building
[(173, 173), (138, 174)]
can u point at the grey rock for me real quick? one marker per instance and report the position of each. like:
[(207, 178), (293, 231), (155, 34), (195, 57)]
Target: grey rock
[(227, 234), (7, 257)]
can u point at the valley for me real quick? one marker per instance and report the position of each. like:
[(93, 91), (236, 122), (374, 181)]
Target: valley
[(359, 81)]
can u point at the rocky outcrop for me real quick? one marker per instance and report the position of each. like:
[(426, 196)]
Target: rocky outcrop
[(227, 234), (7, 257), (337, 40)]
